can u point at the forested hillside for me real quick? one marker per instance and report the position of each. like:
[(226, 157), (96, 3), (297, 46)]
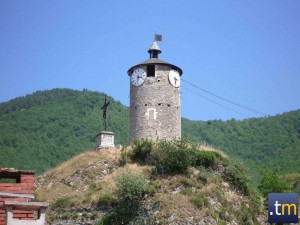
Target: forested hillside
[(41, 130), (271, 142)]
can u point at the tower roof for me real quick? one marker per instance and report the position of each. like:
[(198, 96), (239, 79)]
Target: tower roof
[(154, 47), (154, 50)]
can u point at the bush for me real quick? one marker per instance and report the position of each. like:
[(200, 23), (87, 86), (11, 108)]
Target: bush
[(107, 199), (122, 216), (141, 151), (62, 203), (130, 188), (236, 174), (94, 187), (68, 215), (130, 191), (172, 157), (150, 189), (271, 182), (199, 200), (204, 158)]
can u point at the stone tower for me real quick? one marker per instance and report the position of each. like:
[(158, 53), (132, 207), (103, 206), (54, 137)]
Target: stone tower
[(155, 109)]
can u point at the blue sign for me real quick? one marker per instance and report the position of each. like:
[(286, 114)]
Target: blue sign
[(282, 208)]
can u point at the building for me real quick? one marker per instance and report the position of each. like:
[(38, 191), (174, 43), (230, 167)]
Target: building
[(155, 108)]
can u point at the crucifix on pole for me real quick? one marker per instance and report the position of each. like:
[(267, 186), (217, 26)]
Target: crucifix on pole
[(104, 108)]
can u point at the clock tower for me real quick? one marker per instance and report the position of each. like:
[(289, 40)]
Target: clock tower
[(155, 109)]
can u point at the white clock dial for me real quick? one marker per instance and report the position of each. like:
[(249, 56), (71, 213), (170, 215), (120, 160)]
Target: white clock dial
[(138, 77), (174, 78)]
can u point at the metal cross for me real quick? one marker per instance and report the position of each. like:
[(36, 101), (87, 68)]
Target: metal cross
[(104, 108)]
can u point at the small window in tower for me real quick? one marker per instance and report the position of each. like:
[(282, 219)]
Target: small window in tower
[(150, 70)]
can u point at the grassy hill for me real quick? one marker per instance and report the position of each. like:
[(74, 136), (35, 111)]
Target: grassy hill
[(113, 187), (41, 130)]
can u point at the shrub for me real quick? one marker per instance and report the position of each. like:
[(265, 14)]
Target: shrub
[(130, 191), (107, 199), (236, 174), (62, 203), (199, 200), (122, 216), (94, 187), (130, 188), (124, 157), (141, 151), (68, 215), (271, 182), (172, 157), (204, 158), (150, 189)]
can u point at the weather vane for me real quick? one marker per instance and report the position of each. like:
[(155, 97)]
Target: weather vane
[(158, 37), (104, 108)]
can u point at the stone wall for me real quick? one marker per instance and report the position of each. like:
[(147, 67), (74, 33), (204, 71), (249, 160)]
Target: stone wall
[(155, 110)]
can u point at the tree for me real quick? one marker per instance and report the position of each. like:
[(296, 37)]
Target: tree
[(272, 182)]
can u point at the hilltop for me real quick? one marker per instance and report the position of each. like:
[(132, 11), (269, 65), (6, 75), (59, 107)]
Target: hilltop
[(41, 130), (84, 190)]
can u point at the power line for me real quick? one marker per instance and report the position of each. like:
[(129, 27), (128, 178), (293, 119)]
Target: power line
[(207, 99), (226, 100)]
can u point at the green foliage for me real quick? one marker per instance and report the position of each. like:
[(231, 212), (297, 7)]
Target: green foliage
[(36, 197), (62, 203), (236, 174), (204, 158), (271, 182), (124, 157), (121, 216), (207, 159), (294, 180), (107, 199), (130, 188), (94, 187), (141, 150), (41, 130), (269, 141), (68, 215), (199, 200), (150, 188), (172, 157), (130, 191)]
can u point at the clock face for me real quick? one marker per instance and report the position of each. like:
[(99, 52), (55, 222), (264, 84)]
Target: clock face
[(174, 78), (138, 77)]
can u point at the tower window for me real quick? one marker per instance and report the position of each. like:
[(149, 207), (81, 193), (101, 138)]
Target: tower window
[(150, 70)]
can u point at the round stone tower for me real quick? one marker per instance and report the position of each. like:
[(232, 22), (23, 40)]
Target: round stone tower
[(155, 110)]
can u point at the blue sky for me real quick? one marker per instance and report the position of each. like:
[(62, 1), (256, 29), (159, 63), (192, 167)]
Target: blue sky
[(245, 51)]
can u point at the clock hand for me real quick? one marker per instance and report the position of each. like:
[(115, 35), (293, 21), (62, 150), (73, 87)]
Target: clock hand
[(175, 80)]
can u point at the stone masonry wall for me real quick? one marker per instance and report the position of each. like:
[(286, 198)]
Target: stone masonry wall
[(155, 110), (24, 186)]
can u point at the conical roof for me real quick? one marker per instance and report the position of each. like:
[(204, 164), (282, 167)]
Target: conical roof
[(154, 60), (154, 47)]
